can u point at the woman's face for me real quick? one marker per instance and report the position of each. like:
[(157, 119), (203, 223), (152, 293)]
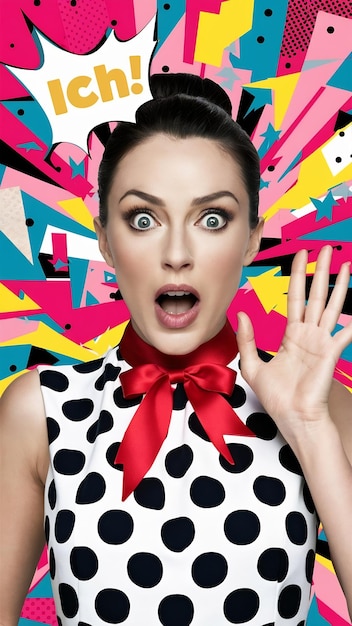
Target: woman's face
[(178, 235)]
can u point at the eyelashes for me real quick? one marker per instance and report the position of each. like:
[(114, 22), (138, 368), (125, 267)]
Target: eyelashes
[(212, 219)]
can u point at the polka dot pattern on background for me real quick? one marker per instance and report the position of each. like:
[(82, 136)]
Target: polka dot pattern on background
[(242, 534)]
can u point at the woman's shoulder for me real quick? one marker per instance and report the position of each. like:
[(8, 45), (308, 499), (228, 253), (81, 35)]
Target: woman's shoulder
[(23, 422)]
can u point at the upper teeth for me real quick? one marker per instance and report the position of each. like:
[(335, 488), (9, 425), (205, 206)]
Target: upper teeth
[(177, 293)]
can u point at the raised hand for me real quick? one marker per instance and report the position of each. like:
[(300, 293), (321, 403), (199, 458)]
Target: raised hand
[(294, 386)]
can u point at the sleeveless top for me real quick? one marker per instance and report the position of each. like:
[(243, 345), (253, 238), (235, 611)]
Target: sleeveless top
[(199, 541)]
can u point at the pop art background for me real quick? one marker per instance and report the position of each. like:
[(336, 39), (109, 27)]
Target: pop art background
[(287, 67)]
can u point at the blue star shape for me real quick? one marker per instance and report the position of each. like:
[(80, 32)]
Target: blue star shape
[(270, 136), (77, 168), (324, 207), (264, 183)]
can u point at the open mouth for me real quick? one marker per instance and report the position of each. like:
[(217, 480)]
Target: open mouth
[(177, 302)]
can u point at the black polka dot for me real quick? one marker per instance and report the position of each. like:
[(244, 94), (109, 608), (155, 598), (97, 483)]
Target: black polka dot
[(69, 462), (196, 427), (296, 528), (289, 461), (165, 68), (330, 30), (78, 410), (145, 569), (242, 527), (341, 133), (178, 461), (310, 561), (338, 159), (52, 563), (52, 495), (102, 425), (268, 12), (179, 398), (91, 489), (30, 222), (308, 500), (177, 534), (112, 606), (64, 524), (115, 527), (59, 622), (110, 374), (269, 490), (53, 380), (289, 601), (166, 6), (113, 22), (260, 39), (90, 366), (53, 429), (13, 368), (207, 492), (288, 65), (262, 425), (69, 600), (176, 610), (111, 455), (124, 403), (241, 606), (242, 456), (209, 569), (150, 493), (47, 528), (20, 111), (273, 564), (237, 398), (84, 563), (36, 3), (83, 624), (68, 326)]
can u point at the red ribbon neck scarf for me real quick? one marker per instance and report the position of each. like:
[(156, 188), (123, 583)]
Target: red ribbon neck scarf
[(205, 378)]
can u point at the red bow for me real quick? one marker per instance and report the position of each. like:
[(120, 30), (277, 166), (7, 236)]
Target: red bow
[(203, 383)]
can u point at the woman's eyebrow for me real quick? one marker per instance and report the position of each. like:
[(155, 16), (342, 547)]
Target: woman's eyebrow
[(195, 202), (143, 196), (213, 196)]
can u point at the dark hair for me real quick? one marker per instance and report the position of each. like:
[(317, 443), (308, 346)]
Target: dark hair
[(183, 106)]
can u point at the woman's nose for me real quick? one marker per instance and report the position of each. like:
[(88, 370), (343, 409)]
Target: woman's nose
[(177, 250)]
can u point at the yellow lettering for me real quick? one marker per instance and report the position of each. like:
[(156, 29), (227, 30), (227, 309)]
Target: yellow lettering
[(76, 99), (57, 96), (104, 80)]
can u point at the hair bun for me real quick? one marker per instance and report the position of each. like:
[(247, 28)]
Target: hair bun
[(167, 85)]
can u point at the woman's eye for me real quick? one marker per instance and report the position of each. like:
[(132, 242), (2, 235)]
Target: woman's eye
[(213, 221), (142, 221)]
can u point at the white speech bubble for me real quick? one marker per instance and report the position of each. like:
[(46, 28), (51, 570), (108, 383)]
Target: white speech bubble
[(79, 92)]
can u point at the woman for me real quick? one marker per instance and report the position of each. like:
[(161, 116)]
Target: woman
[(171, 496)]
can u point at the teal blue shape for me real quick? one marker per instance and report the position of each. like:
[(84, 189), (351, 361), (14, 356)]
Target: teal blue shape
[(33, 117), (109, 277), (264, 184), (42, 215), (64, 359), (270, 136), (248, 272), (42, 589), (14, 265), (30, 622), (45, 319), (229, 75), (13, 356), (263, 58), (261, 98), (324, 207), (322, 535), (314, 618), (342, 79), (341, 231), (291, 166), (78, 274), (90, 299), (167, 19), (2, 171), (77, 168)]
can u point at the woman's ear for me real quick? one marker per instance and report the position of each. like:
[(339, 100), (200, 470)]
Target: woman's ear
[(254, 242), (103, 242)]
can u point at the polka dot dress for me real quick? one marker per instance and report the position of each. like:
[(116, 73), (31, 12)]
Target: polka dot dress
[(200, 541)]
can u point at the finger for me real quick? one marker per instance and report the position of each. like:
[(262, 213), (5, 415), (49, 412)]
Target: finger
[(247, 347), (342, 339), (333, 309), (320, 287), (296, 299)]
